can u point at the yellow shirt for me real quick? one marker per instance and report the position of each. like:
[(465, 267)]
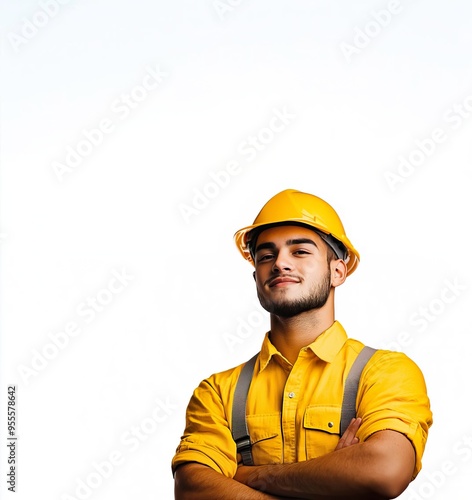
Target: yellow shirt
[(294, 411)]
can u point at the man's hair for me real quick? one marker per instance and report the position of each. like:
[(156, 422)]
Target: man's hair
[(330, 255)]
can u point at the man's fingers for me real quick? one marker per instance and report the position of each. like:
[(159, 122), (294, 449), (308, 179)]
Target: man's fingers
[(349, 437)]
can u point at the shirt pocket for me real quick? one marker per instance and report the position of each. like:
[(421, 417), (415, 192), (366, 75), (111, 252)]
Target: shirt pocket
[(266, 438), (321, 425)]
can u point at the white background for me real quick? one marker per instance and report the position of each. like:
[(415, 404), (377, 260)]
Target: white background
[(187, 308)]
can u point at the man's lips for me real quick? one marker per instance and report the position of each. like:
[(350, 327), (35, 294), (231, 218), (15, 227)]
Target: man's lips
[(282, 280)]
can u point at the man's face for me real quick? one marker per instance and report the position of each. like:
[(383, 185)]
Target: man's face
[(292, 273)]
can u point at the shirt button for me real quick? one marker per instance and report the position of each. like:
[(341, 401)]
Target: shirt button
[(291, 395), (330, 424)]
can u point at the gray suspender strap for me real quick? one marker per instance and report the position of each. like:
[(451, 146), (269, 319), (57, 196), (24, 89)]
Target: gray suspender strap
[(239, 426), (348, 410)]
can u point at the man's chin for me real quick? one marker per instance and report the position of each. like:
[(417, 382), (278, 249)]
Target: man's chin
[(285, 310)]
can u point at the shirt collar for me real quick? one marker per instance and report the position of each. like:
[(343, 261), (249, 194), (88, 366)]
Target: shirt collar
[(325, 346)]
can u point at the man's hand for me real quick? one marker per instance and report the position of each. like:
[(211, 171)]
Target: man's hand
[(349, 437)]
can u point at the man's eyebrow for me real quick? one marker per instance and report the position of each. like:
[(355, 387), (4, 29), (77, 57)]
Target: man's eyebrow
[(300, 241), (296, 241), (263, 246)]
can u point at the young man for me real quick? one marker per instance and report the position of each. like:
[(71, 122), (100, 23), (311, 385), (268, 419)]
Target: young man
[(301, 253)]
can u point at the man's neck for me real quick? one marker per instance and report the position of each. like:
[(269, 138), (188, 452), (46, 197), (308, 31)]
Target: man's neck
[(289, 335)]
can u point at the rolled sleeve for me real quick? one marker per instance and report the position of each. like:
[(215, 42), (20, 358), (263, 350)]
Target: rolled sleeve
[(207, 437), (393, 396)]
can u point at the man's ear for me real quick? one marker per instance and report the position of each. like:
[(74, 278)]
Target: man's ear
[(338, 272)]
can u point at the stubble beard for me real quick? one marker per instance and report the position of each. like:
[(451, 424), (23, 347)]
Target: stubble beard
[(285, 308)]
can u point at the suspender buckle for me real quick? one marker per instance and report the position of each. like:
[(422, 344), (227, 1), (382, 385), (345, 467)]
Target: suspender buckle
[(243, 446)]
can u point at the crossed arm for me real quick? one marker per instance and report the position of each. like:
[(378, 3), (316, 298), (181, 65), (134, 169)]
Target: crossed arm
[(379, 468)]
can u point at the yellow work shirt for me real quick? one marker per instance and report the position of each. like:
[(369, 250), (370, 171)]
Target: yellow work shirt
[(294, 411)]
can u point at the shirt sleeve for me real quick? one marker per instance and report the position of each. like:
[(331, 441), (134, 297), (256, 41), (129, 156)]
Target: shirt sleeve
[(207, 437), (392, 396)]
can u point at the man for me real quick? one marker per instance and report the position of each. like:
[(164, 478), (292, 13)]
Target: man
[(301, 253)]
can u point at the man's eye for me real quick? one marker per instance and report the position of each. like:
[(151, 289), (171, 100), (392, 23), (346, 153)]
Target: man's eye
[(302, 252), (266, 256)]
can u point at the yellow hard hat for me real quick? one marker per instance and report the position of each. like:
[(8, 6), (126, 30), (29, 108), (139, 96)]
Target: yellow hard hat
[(292, 206)]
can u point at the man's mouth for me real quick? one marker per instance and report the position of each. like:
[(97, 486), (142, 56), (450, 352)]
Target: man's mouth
[(282, 281)]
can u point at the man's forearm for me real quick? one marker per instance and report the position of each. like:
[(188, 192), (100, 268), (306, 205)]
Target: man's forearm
[(198, 482), (306, 482), (379, 468)]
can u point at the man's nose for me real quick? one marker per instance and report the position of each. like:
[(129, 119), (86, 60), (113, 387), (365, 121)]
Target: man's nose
[(282, 262)]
